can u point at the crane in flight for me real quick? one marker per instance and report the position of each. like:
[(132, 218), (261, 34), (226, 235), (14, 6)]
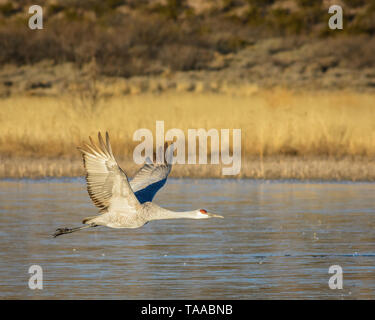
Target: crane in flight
[(123, 204)]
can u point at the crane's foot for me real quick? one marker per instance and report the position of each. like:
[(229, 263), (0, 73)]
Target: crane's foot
[(61, 231)]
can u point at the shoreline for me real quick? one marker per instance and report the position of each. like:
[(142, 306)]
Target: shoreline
[(270, 168)]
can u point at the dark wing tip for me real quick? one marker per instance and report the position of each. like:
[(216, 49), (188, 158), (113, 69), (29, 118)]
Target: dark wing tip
[(108, 143), (92, 141), (100, 137)]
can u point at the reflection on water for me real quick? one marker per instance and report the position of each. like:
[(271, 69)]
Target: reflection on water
[(278, 240)]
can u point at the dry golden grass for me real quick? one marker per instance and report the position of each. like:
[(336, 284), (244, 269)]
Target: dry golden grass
[(275, 123), (272, 122), (277, 167)]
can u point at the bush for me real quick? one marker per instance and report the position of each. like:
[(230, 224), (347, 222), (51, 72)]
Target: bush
[(148, 39), (7, 9)]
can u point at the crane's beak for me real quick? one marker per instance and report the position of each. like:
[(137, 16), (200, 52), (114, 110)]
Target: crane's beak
[(212, 215)]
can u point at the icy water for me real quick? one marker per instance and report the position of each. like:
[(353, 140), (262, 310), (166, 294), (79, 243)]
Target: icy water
[(277, 241)]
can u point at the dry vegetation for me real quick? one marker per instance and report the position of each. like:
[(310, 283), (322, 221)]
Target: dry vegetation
[(278, 167), (303, 95), (140, 37), (285, 134), (322, 64)]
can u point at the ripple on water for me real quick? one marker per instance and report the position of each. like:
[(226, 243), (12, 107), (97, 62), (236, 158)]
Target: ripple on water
[(277, 240)]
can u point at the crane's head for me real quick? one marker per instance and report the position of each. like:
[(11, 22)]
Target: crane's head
[(203, 214)]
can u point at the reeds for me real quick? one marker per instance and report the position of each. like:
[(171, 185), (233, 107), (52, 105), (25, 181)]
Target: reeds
[(277, 167), (275, 124)]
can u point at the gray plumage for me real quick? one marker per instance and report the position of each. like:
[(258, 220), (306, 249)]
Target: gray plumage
[(122, 204), (152, 176)]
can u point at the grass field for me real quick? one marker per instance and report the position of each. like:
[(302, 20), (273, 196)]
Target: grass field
[(278, 126)]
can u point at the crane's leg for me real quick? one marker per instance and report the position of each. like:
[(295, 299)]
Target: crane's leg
[(61, 231)]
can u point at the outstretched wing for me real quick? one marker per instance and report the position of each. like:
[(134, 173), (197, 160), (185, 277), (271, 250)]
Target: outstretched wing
[(107, 183), (152, 177)]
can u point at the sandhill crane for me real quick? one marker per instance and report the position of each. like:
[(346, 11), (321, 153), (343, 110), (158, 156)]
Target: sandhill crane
[(124, 205)]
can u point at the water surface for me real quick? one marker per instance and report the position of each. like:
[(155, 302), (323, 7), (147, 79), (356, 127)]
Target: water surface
[(278, 240)]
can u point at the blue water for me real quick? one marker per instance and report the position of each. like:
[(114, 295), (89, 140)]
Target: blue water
[(278, 240)]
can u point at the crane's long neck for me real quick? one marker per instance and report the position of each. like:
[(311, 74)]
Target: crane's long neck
[(161, 214)]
